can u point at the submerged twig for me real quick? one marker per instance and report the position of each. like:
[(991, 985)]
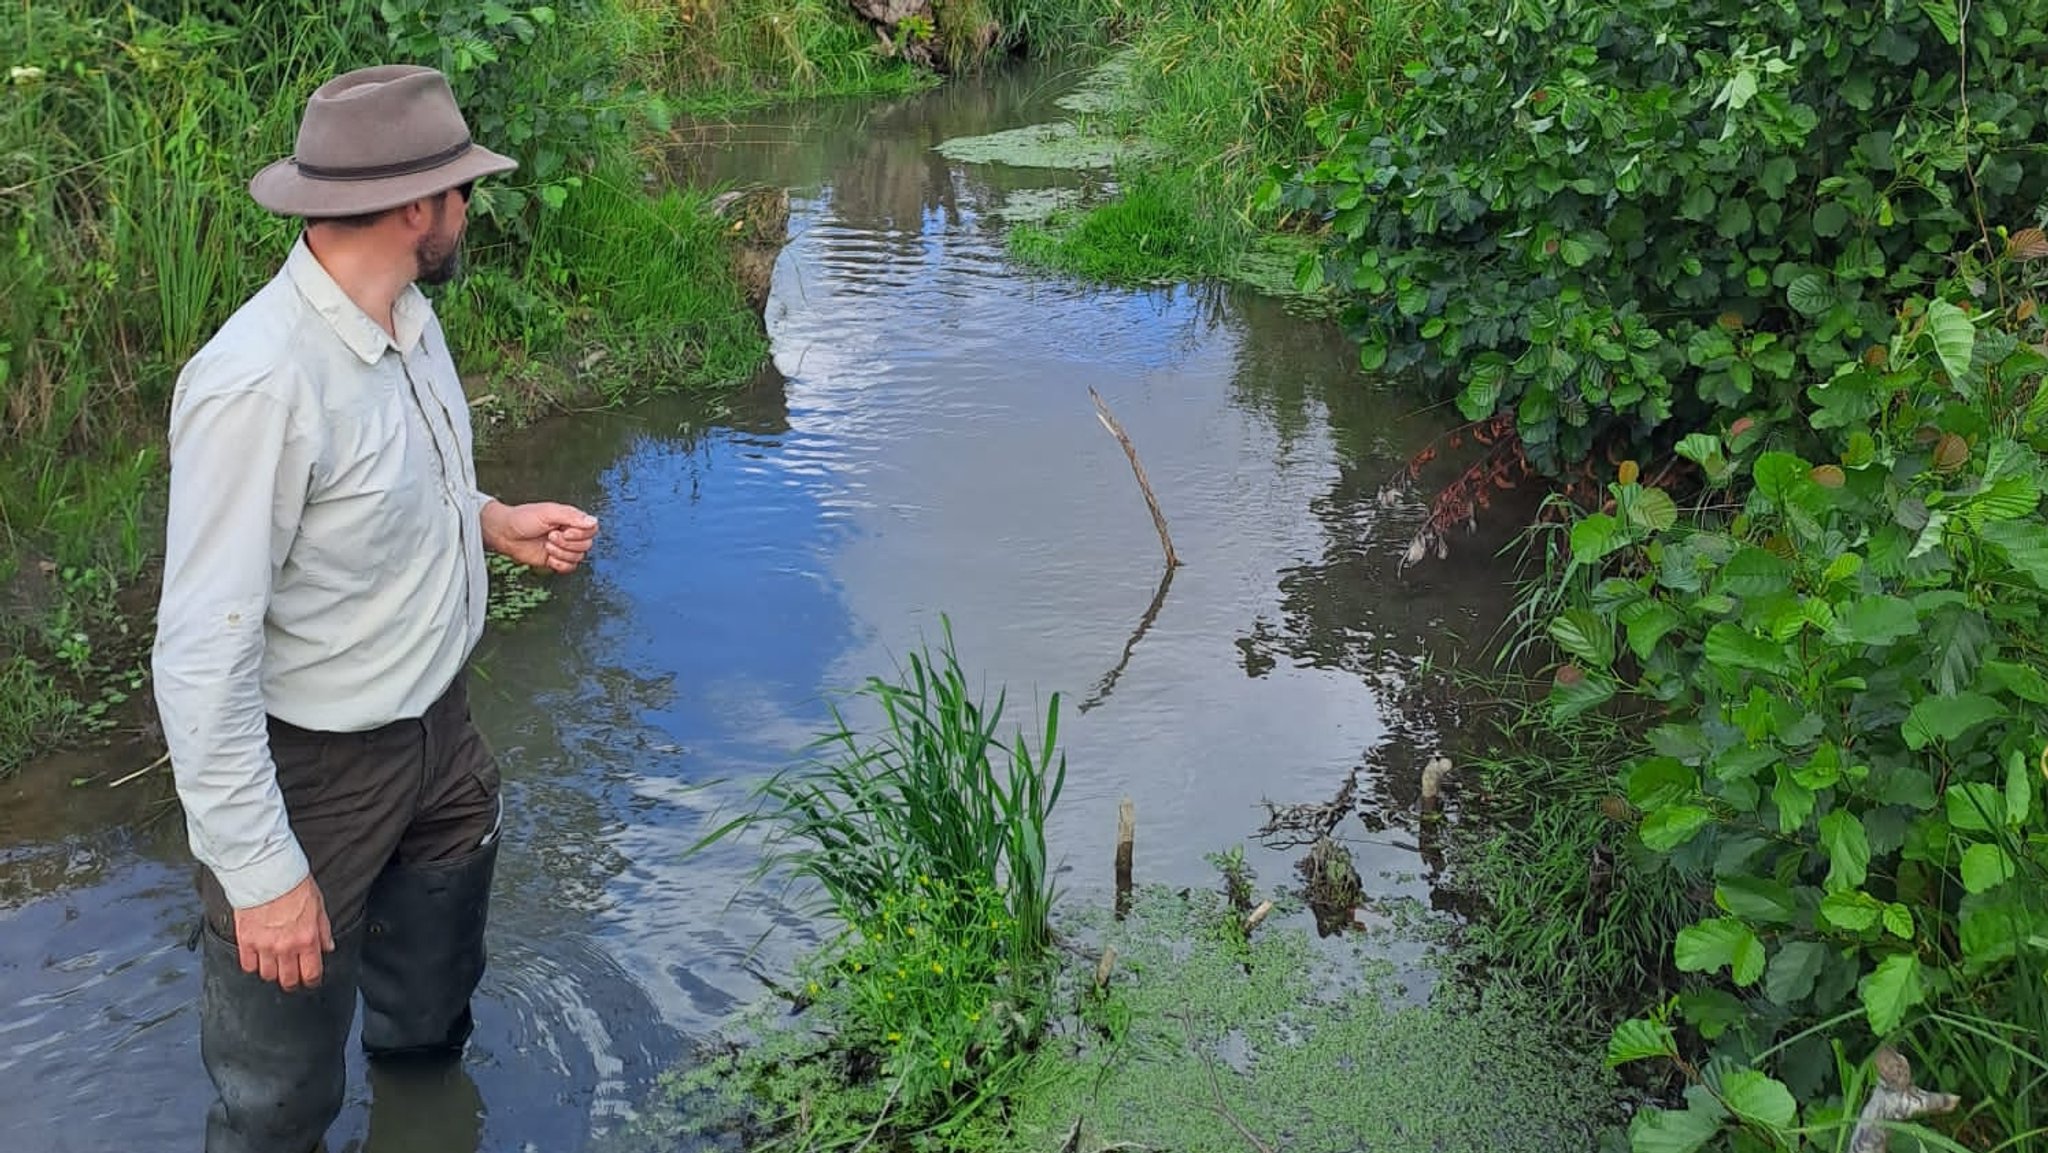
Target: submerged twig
[(1116, 430)]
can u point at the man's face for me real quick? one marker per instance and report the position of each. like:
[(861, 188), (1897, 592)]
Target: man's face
[(438, 252)]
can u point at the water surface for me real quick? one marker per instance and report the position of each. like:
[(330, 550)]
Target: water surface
[(923, 446)]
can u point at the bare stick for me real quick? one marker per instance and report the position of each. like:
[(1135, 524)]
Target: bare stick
[(1103, 968), (1895, 1098), (1116, 430), (1258, 915), (1126, 833), (155, 764)]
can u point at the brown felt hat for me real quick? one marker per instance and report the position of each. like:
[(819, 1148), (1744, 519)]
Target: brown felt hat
[(374, 139)]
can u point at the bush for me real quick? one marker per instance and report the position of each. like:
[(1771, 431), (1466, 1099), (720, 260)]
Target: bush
[(1844, 641), (1618, 221)]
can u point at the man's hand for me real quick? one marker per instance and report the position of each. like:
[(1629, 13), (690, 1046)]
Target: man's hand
[(283, 939), (541, 535)]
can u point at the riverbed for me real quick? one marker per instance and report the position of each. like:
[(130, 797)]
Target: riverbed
[(922, 449)]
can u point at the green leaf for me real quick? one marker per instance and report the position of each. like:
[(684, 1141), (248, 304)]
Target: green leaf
[(1754, 573), (1854, 911), (1829, 219), (1891, 989), (1668, 828), (1481, 396), (1640, 1040), (1974, 807), (1898, 921), (1718, 942), (1756, 899), (2007, 498), (1947, 17), (1793, 971), (2019, 790), (1985, 867), (1648, 621), (1729, 646), (2022, 681), (2024, 545), (1946, 718), (1654, 1130), (1810, 294), (1877, 620), (1848, 849), (1794, 801), (1653, 510), (1659, 781), (1953, 335), (1595, 537), (1700, 447), (1757, 1098), (1778, 475), (1777, 175), (1584, 635)]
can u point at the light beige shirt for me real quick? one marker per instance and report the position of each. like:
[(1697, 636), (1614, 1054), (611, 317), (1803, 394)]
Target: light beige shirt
[(323, 561)]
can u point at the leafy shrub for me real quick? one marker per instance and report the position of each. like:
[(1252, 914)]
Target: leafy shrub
[(1617, 220), (1845, 641)]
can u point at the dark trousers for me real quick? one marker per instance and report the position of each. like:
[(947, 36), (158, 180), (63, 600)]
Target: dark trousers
[(400, 826)]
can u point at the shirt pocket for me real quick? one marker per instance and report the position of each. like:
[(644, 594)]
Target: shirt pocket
[(365, 516)]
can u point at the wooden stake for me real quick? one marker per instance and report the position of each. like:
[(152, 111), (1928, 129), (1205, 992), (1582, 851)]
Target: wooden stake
[(1116, 430), (1258, 915), (1126, 833), (1104, 967)]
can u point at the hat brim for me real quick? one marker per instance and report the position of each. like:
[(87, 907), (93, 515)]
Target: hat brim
[(282, 189)]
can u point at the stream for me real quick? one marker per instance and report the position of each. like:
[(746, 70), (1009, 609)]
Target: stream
[(923, 446)]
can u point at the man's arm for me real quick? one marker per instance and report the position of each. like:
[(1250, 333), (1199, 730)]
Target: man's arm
[(238, 481)]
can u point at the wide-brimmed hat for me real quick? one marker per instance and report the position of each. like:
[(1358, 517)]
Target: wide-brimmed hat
[(374, 139)]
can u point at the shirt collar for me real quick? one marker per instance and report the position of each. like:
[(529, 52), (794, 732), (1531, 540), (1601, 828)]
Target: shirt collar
[(362, 335)]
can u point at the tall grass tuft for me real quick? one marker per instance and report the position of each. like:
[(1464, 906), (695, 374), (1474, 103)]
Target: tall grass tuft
[(927, 842), (1575, 908), (934, 794)]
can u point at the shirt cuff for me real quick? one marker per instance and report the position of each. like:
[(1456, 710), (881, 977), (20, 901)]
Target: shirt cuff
[(266, 878)]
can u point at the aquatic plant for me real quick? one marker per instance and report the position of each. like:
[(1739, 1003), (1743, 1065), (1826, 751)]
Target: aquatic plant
[(927, 845)]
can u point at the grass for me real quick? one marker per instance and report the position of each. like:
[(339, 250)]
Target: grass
[(1224, 93), (1571, 904), (127, 136), (725, 56), (1149, 232), (927, 845)]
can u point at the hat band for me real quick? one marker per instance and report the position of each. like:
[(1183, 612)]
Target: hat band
[(381, 171)]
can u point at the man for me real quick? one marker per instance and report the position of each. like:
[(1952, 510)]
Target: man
[(323, 589)]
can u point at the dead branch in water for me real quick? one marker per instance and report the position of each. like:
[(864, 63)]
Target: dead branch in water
[(1895, 1098), (1116, 430)]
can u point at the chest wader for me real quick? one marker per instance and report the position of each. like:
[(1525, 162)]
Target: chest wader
[(401, 827)]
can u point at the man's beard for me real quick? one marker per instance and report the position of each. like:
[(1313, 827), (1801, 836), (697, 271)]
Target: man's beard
[(439, 258)]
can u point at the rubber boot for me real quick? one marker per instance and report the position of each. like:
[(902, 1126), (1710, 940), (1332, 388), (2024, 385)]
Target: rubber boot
[(277, 1058), (424, 954)]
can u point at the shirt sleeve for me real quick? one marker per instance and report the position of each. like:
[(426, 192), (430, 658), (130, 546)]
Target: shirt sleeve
[(238, 479)]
